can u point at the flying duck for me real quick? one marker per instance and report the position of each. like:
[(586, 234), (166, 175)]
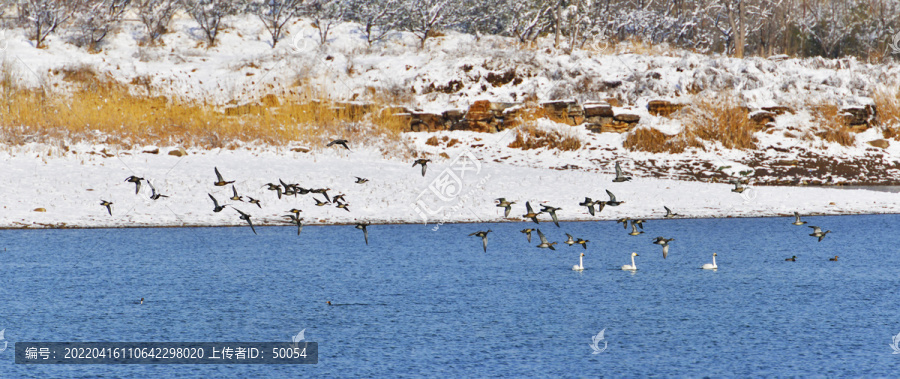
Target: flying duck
[(274, 187), (612, 200), (361, 180), (137, 183), (235, 197), (544, 243), (483, 236), (216, 207), (527, 233), (797, 220), (817, 232), (552, 212), (620, 177), (589, 204), (365, 231), (219, 181), (254, 201), (669, 213), (341, 142), (634, 230), (245, 217), (153, 194), (738, 186), (582, 242), (531, 214), (502, 203), (296, 220), (570, 241), (665, 244), (107, 204), (423, 162)]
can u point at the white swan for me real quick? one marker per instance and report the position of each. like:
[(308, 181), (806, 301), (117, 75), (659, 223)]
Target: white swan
[(632, 266), (711, 266), (580, 265)]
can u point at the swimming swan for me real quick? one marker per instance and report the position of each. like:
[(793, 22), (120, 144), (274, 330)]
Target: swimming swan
[(580, 265), (711, 266), (631, 267)]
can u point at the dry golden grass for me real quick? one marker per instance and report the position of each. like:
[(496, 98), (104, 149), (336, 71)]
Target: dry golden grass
[(531, 137), (720, 119), (888, 106), (655, 141), (101, 110), (830, 124)]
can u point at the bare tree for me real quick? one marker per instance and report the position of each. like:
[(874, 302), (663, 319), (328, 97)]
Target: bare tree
[(275, 14), (424, 17), (156, 15), (528, 19), (209, 14), (96, 18), (376, 18), (42, 17), (326, 14)]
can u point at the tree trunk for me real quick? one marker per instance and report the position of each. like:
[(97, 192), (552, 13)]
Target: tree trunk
[(739, 41)]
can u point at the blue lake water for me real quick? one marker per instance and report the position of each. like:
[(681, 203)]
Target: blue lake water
[(417, 302)]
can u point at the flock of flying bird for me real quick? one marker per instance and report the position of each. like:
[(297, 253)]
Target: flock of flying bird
[(593, 207), (596, 206)]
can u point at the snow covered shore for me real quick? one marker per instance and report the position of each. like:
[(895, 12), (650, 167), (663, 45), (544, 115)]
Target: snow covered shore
[(70, 187)]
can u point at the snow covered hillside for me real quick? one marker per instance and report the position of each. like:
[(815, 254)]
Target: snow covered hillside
[(49, 186)]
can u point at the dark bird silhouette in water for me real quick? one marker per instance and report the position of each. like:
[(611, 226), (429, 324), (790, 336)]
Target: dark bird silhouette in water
[(527, 233), (107, 204), (235, 197), (137, 183), (219, 181), (216, 207), (361, 180), (620, 177), (246, 217), (341, 142), (363, 226), (423, 162), (153, 194), (483, 236), (791, 259)]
